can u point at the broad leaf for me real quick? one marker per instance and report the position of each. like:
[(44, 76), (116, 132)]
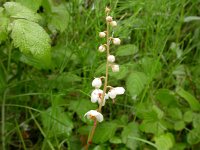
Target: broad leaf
[(135, 83), (193, 102), (188, 116), (31, 38), (193, 136), (81, 107), (18, 11), (31, 4), (104, 132), (166, 97), (129, 132), (56, 122), (179, 125), (126, 50), (59, 18), (164, 141), (3, 26)]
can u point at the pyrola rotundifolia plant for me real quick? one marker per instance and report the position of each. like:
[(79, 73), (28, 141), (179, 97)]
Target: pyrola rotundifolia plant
[(108, 92)]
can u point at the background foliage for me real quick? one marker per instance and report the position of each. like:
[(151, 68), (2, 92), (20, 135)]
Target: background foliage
[(48, 58)]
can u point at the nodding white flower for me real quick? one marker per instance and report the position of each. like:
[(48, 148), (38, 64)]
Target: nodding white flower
[(97, 96), (102, 34), (93, 114), (102, 48), (97, 83), (116, 91), (113, 23), (111, 58), (109, 18), (115, 68), (116, 41)]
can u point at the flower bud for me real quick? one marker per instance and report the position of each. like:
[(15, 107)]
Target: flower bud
[(111, 58), (107, 10), (102, 34), (115, 68), (116, 41), (97, 83), (113, 23), (108, 18), (102, 48)]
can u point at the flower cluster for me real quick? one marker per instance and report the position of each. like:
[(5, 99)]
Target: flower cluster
[(99, 95)]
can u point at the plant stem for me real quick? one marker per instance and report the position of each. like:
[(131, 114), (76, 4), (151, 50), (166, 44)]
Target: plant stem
[(89, 142), (3, 120)]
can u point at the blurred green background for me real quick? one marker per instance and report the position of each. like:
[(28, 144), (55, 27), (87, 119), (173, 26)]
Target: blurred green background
[(49, 57)]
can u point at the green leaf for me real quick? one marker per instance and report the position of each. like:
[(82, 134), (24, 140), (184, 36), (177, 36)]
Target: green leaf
[(104, 132), (175, 113), (127, 50), (196, 120), (193, 136), (31, 4), (3, 26), (128, 134), (166, 97), (164, 141), (135, 83), (193, 102), (188, 116), (59, 18), (150, 66), (32, 39), (18, 11), (81, 107), (152, 118), (115, 140), (56, 122), (179, 125)]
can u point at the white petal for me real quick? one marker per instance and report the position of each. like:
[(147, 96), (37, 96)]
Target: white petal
[(119, 90), (96, 83), (99, 117), (112, 94)]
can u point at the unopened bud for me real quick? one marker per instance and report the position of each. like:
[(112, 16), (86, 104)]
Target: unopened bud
[(108, 18), (102, 34), (115, 68), (116, 41), (113, 23), (102, 48), (107, 10), (111, 58)]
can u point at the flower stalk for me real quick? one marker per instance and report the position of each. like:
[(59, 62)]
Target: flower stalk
[(98, 95)]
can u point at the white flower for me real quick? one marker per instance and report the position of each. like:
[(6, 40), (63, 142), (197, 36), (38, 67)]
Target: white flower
[(102, 34), (113, 23), (97, 83), (109, 18), (111, 58), (115, 68), (102, 48), (97, 96), (116, 91), (116, 41), (92, 114)]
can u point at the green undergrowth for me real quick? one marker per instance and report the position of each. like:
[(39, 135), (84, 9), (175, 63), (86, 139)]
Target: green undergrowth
[(49, 57)]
